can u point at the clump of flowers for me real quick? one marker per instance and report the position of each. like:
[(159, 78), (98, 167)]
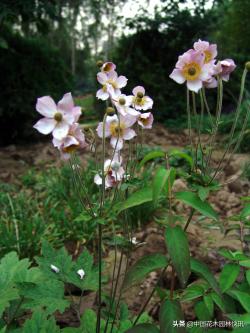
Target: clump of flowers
[(198, 67), (62, 120)]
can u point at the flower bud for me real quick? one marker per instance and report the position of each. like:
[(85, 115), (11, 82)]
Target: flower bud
[(247, 65), (99, 63), (55, 269), (81, 273), (110, 111)]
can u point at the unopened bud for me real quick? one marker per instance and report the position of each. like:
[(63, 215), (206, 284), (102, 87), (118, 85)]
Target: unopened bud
[(99, 63), (110, 111), (247, 65), (139, 94)]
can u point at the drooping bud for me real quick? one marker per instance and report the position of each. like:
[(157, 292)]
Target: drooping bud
[(99, 63), (110, 111), (55, 269), (139, 94), (247, 65), (81, 273)]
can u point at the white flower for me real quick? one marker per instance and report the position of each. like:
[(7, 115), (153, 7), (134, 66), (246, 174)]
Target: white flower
[(81, 273), (55, 269)]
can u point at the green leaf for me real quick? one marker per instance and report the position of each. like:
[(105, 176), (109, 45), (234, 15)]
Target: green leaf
[(195, 202), (170, 312), (194, 291), (159, 182), (240, 317), (202, 311), (202, 270), (248, 276), (151, 156), (242, 297), (208, 301), (49, 295), (244, 263), (245, 212), (177, 245), (228, 276), (144, 266), (218, 301), (143, 328), (181, 154), (203, 193), (135, 199), (39, 323)]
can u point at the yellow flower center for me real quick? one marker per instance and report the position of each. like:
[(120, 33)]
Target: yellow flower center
[(112, 83), (139, 94), (191, 71), (122, 101), (139, 101), (115, 130), (208, 56), (145, 121), (58, 116)]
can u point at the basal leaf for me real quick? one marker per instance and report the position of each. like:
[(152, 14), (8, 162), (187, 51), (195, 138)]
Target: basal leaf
[(152, 155), (159, 181)]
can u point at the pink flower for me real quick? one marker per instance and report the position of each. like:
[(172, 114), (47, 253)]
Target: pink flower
[(209, 50), (57, 118), (75, 139), (113, 172), (227, 67), (108, 67), (111, 85), (118, 129), (123, 103), (145, 120), (190, 67), (140, 101)]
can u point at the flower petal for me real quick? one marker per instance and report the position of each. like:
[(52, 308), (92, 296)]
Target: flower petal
[(129, 134), (61, 130), (128, 120), (194, 85), (102, 78), (116, 143), (121, 82), (46, 106), (45, 125), (103, 95), (98, 180), (66, 104), (138, 89), (177, 76)]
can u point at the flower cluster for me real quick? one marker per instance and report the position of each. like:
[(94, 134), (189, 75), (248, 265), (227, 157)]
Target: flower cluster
[(128, 110), (199, 67), (61, 120)]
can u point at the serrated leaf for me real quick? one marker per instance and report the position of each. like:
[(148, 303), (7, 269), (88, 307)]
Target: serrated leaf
[(191, 199), (194, 291), (135, 199), (218, 301), (159, 182), (202, 270), (170, 312), (39, 323), (152, 155), (202, 311), (49, 295), (143, 267), (177, 245), (228, 276)]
